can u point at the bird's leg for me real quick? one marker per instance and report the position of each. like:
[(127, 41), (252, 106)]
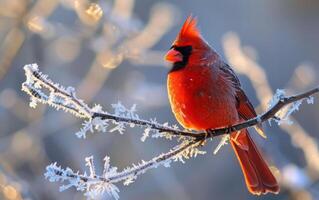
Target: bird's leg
[(207, 135)]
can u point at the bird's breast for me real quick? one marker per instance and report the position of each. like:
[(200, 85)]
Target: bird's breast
[(201, 100)]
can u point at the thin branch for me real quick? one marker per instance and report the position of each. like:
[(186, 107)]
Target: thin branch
[(221, 131), (98, 184)]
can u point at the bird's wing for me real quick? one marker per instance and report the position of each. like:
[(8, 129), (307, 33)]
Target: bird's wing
[(244, 107)]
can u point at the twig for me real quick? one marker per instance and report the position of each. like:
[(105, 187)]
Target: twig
[(221, 131), (98, 184)]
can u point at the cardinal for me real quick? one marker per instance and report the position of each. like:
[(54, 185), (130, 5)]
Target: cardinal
[(205, 93)]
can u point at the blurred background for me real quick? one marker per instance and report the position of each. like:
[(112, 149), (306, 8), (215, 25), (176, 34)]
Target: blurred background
[(112, 51)]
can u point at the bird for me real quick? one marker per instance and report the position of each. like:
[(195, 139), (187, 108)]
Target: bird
[(205, 93)]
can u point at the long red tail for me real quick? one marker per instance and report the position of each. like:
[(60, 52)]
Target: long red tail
[(258, 177)]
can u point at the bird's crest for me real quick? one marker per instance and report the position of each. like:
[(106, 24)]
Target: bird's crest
[(189, 28)]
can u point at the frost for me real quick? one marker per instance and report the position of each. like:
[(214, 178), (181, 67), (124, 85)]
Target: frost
[(119, 127), (122, 111), (90, 125), (90, 164), (33, 102), (129, 180), (93, 185), (166, 135), (70, 90), (280, 93), (96, 186), (87, 126), (43, 90), (106, 165), (146, 134), (97, 108), (57, 97), (223, 141), (99, 124), (310, 100), (283, 116)]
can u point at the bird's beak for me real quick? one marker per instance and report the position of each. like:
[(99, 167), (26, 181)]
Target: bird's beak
[(173, 56)]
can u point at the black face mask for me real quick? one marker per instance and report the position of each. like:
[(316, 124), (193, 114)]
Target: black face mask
[(186, 52)]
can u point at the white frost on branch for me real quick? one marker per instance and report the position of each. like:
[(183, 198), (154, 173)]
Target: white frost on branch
[(122, 111), (279, 95), (223, 142), (310, 100), (283, 116), (43, 90), (164, 134), (90, 125), (96, 186), (58, 97)]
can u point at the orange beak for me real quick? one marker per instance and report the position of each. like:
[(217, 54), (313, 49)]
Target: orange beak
[(173, 56)]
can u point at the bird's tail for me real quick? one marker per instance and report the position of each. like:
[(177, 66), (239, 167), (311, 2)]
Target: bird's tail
[(259, 179)]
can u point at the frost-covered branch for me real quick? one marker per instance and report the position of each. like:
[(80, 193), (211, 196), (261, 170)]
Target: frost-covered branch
[(65, 99), (42, 90), (95, 186)]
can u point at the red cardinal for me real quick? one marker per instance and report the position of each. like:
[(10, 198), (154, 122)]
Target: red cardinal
[(205, 93)]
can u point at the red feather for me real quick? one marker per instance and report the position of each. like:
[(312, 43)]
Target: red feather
[(258, 177), (189, 29)]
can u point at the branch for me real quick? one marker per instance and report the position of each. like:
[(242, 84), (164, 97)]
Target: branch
[(67, 100), (97, 185)]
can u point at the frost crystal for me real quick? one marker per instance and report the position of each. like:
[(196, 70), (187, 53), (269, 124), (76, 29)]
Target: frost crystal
[(282, 116), (146, 134), (122, 111), (276, 98), (93, 185), (33, 102), (223, 141), (310, 100), (129, 180), (119, 127)]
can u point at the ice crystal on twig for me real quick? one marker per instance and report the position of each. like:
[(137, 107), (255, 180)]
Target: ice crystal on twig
[(58, 97), (279, 95), (122, 111), (146, 133), (310, 100), (119, 127), (282, 116), (223, 141), (92, 185)]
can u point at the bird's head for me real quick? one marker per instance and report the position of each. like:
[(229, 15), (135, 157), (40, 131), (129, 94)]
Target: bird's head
[(188, 47)]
